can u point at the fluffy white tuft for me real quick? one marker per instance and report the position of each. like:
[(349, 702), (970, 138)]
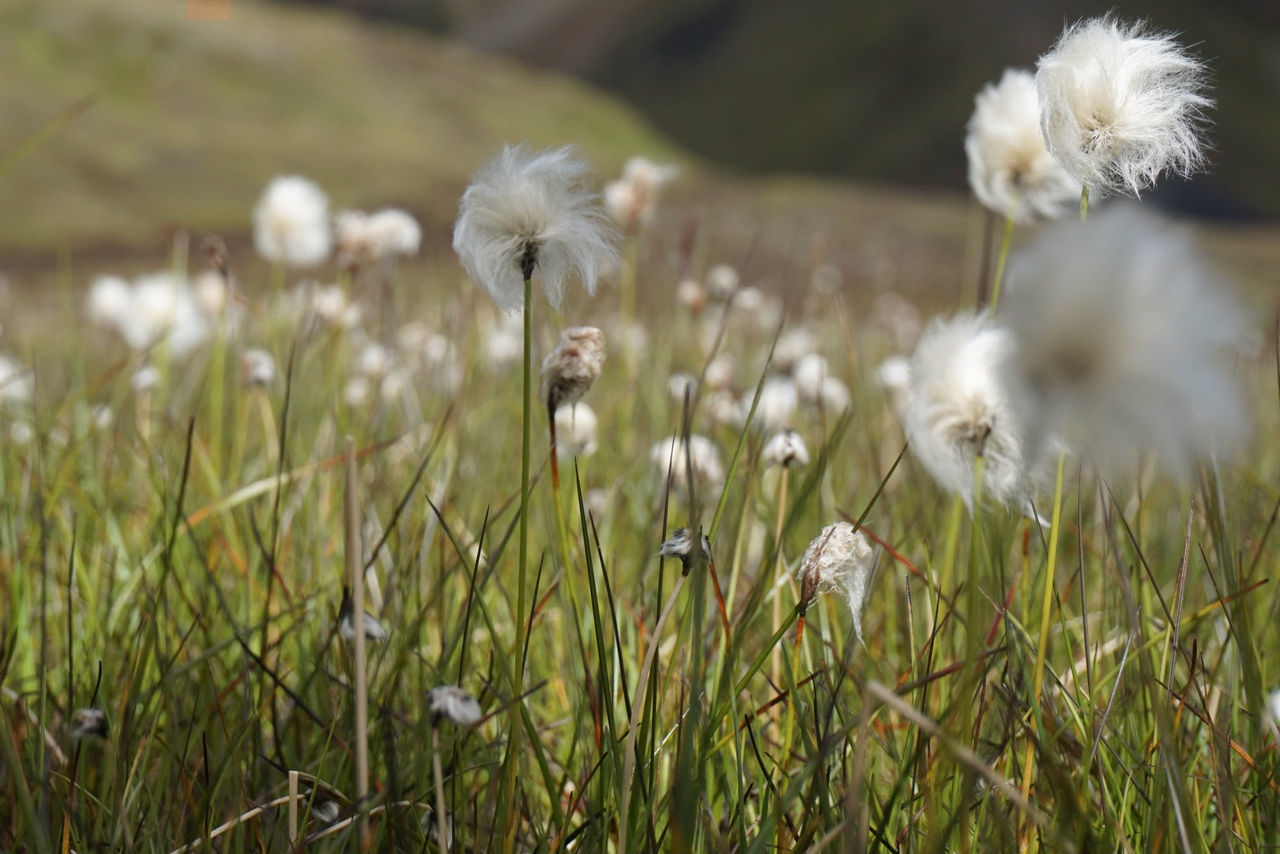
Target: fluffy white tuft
[(15, 381), (527, 210), (576, 431), (1010, 170), (785, 449), (291, 222), (1122, 339), (669, 455), (1121, 104), (838, 559), (381, 236), (959, 407), (633, 199)]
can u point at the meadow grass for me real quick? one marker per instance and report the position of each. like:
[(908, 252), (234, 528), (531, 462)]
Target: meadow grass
[(183, 572)]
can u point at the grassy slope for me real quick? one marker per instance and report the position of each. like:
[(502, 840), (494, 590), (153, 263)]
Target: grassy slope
[(192, 118)]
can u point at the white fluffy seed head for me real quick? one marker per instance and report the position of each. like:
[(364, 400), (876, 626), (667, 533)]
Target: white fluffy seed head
[(1121, 104), (527, 211), (838, 559), (777, 405), (381, 236), (451, 703), (785, 449), (958, 407), (722, 281), (571, 368), (809, 373), (1010, 170), (16, 384), (291, 222), (703, 457), (258, 367), (1124, 339), (633, 199), (575, 431)]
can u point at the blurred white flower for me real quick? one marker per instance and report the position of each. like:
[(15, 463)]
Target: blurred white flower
[(374, 360), (16, 383), (329, 304), (793, 345), (778, 401), (451, 703), (576, 431), (838, 559), (356, 391), (894, 374), (504, 342), (1273, 707), (809, 373), (1010, 170), (719, 372), (680, 546), (723, 408), (258, 367), (689, 293), (1121, 104), (381, 236), (570, 369), (147, 378), (1123, 342), (785, 449), (835, 396), (826, 279), (159, 308), (959, 407), (110, 299), (373, 629), (680, 384), (21, 433), (291, 222), (526, 211), (703, 456), (722, 280), (632, 200)]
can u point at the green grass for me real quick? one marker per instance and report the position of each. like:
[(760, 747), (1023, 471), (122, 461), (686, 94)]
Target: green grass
[(172, 584)]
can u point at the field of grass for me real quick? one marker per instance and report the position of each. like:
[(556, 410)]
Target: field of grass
[(178, 563), (174, 553)]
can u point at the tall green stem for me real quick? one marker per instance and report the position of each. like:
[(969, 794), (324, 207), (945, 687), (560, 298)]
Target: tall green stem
[(1084, 202), (1005, 241)]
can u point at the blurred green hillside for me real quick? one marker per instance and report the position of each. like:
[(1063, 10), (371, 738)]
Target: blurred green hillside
[(190, 119)]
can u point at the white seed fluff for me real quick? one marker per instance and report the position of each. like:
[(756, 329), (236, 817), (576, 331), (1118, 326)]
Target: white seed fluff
[(1123, 342), (1010, 170), (291, 222), (958, 406), (527, 211), (839, 558), (1121, 104)]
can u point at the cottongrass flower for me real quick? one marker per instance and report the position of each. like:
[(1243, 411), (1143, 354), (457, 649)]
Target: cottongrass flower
[(838, 559), (145, 379), (258, 367), (719, 372), (382, 236), (154, 309), (958, 407), (1273, 707), (809, 373), (291, 223), (16, 384), (633, 199), (525, 211), (681, 384), (1010, 170), (571, 368), (1121, 104), (1123, 342), (703, 457), (680, 546), (793, 345), (691, 295), (89, 722), (721, 282), (373, 629), (576, 431), (785, 449), (503, 343), (777, 406), (454, 705)]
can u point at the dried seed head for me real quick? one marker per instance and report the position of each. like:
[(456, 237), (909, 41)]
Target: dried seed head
[(570, 369), (451, 703), (89, 722)]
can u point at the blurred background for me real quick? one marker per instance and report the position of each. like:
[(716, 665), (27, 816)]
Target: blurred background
[(121, 120)]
